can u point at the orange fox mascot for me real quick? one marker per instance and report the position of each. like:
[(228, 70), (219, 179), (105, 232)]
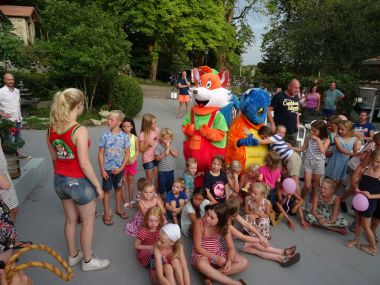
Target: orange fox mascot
[(205, 127)]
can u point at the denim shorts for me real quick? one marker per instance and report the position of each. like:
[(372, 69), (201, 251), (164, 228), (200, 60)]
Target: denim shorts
[(80, 190), (114, 181), (150, 164)]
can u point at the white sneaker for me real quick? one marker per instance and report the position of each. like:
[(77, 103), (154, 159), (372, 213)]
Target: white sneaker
[(75, 260), (95, 264)]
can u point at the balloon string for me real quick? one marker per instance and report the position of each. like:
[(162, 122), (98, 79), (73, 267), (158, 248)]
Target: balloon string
[(287, 205)]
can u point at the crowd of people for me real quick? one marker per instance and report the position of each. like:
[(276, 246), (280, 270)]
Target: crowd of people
[(214, 207)]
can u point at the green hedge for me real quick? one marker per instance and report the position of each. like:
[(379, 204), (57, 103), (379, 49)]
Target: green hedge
[(126, 94)]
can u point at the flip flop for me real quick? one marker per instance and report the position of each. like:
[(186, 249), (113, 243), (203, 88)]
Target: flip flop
[(366, 250), (290, 250), (122, 215), (289, 261), (292, 227), (305, 226), (107, 221), (350, 243)]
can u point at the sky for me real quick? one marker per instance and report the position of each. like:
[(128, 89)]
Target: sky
[(258, 22)]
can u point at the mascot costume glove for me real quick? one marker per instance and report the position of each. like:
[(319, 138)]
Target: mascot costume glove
[(248, 141)]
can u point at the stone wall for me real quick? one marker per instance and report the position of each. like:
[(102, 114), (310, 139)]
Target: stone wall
[(24, 28)]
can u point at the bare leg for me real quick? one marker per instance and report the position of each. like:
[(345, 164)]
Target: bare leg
[(124, 189), (203, 266), (297, 180), (358, 226), (119, 209), (239, 264), (87, 215), (370, 236), (252, 248), (177, 271), (106, 205), (169, 273), (315, 185), (307, 184), (187, 107), (374, 224), (149, 174), (131, 189), (71, 217), (180, 109)]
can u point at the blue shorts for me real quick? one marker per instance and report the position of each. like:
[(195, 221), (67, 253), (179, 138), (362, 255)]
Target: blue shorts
[(114, 181), (150, 164), (80, 190)]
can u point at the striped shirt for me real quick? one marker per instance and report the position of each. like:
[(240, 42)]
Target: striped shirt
[(168, 162), (8, 196), (281, 147), (313, 151)]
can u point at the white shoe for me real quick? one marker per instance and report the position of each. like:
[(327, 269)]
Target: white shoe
[(95, 264), (75, 260)]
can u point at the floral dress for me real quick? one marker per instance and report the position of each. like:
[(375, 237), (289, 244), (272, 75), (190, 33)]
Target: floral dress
[(133, 226), (261, 224), (8, 234), (325, 210)]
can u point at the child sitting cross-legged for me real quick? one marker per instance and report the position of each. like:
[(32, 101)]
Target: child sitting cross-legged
[(175, 200), (148, 235), (325, 209)]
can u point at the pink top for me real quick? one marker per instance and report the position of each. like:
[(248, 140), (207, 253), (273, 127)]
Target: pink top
[(148, 155), (312, 100), (270, 176)]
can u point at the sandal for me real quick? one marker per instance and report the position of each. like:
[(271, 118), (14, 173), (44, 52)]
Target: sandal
[(290, 251), (366, 249), (133, 204), (22, 244), (289, 261), (305, 226), (107, 221), (122, 215), (242, 282), (292, 227), (350, 243), (127, 205)]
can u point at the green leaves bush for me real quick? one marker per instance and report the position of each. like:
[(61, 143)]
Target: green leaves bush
[(125, 94)]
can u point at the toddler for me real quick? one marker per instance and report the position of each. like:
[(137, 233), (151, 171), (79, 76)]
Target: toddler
[(175, 200), (165, 154), (113, 156), (189, 175)]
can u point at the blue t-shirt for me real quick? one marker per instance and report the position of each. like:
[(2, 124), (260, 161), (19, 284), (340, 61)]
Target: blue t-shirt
[(331, 97), (183, 90), (364, 129), (114, 149), (170, 197)]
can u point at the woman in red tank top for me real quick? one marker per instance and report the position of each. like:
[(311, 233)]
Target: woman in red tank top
[(75, 181)]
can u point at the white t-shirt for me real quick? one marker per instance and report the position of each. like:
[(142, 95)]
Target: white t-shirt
[(10, 103), (188, 209)]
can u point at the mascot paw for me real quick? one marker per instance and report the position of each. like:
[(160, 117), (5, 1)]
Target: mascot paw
[(188, 130), (205, 130)]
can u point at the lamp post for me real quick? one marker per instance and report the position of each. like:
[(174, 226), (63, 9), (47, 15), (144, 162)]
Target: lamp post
[(206, 54)]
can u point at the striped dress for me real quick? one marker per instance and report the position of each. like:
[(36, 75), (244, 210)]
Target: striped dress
[(147, 238), (211, 243)]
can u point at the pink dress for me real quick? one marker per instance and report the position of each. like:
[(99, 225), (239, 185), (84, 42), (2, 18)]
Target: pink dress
[(270, 176), (133, 226)]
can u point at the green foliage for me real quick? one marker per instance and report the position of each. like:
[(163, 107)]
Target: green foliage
[(126, 95), (8, 144), (82, 42), (11, 45), (39, 84)]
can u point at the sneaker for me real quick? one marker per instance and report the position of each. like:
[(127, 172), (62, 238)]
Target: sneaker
[(75, 260), (343, 207), (95, 264)]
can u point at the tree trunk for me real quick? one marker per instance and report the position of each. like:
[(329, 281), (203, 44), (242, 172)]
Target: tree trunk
[(154, 54)]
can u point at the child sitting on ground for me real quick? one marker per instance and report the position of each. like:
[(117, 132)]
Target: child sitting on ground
[(168, 264), (257, 209), (247, 179), (216, 182), (175, 200), (233, 172), (189, 175), (270, 173), (148, 235), (148, 200), (325, 209), (113, 156)]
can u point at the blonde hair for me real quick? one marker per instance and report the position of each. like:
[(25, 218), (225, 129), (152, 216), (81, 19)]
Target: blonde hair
[(166, 132), (331, 183), (180, 181), (190, 161), (147, 186), (63, 103), (254, 166), (373, 156), (348, 126), (272, 160), (235, 165), (262, 187), (118, 114), (146, 124), (157, 212), (176, 247)]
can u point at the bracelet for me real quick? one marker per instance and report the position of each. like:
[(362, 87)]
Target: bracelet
[(214, 258)]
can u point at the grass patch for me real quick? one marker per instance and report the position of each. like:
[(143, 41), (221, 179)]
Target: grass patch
[(38, 119)]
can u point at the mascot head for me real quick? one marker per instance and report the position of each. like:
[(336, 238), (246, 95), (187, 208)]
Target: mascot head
[(254, 105), (209, 88)]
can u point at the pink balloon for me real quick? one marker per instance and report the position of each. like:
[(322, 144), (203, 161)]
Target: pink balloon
[(289, 186), (360, 202)]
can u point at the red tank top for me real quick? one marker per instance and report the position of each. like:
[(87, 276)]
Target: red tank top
[(67, 163)]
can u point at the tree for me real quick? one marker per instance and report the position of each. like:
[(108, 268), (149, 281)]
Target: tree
[(11, 45), (82, 42)]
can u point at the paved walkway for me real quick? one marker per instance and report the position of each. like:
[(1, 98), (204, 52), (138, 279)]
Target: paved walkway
[(324, 259)]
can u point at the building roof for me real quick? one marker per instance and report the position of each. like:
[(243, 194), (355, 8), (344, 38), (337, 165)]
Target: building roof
[(372, 61), (19, 11)]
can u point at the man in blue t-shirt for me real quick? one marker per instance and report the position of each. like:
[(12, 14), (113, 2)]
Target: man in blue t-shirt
[(331, 98), (363, 128), (183, 97)]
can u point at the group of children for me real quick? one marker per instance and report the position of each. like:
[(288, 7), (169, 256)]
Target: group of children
[(168, 206)]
